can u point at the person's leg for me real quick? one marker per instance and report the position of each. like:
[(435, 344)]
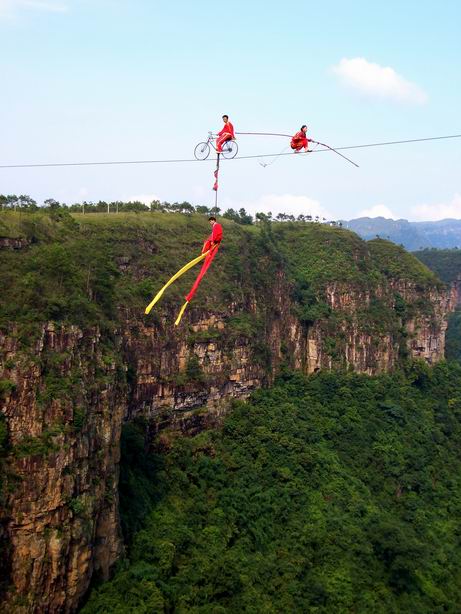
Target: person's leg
[(220, 142)]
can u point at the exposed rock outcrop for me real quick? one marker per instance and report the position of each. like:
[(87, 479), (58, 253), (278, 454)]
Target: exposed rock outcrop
[(64, 419), (13, 243)]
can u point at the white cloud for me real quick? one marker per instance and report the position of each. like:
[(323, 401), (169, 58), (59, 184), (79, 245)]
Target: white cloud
[(10, 7), (146, 199), (283, 203), (378, 81), (378, 211), (438, 211)]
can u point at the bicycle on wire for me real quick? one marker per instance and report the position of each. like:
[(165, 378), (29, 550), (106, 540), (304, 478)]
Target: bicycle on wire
[(202, 150)]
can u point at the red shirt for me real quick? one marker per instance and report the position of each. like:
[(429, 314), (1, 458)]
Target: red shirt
[(227, 129), (216, 233), (215, 237)]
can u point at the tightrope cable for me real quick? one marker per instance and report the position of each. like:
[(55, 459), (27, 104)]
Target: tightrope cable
[(186, 160)]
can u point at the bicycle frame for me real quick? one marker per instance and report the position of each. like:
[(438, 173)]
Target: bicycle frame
[(212, 140), (229, 146)]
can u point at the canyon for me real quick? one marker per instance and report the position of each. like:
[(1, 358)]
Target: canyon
[(70, 387)]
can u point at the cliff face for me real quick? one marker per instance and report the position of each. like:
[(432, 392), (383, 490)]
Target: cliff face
[(64, 419), (71, 389), (232, 366), (13, 243), (374, 349)]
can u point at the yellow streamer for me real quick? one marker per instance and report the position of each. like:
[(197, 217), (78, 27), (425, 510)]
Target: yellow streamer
[(185, 268), (183, 309)]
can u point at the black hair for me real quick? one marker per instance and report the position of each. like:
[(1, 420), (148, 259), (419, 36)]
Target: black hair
[(303, 126), (212, 217), (225, 116)]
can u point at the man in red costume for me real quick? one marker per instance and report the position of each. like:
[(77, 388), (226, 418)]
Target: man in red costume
[(300, 140), (226, 134), (211, 245), (216, 235)]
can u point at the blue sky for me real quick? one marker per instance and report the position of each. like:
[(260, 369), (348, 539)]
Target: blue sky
[(107, 80)]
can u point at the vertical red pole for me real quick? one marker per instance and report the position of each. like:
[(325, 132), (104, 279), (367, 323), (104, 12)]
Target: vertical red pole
[(215, 187)]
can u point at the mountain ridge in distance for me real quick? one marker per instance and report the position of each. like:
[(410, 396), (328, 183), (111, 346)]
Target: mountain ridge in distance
[(441, 234)]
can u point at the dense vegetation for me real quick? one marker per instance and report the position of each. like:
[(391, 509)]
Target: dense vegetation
[(453, 336), (446, 263), (71, 271), (81, 269), (330, 493)]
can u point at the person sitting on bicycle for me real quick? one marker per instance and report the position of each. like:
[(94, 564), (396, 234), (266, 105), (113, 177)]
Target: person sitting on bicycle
[(300, 140), (226, 134)]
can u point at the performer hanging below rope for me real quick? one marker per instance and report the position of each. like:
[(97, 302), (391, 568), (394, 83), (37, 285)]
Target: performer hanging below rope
[(209, 251), (216, 235), (226, 134), (300, 140), (210, 248)]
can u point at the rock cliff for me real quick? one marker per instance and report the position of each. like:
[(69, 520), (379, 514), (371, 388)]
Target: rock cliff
[(64, 417)]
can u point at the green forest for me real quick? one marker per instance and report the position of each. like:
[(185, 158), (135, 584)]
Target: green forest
[(446, 263), (336, 493)]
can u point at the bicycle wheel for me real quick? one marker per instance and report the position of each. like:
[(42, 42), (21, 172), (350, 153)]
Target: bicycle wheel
[(202, 151), (229, 149)]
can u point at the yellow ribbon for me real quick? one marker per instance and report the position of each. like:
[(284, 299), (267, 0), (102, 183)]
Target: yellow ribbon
[(185, 268), (183, 308)]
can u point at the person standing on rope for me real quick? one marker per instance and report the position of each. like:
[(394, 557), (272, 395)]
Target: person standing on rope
[(300, 140), (216, 235), (226, 134)]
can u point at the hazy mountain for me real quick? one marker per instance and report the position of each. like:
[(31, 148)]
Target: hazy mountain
[(412, 235)]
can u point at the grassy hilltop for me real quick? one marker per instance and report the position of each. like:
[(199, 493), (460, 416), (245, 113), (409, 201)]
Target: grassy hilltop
[(81, 269)]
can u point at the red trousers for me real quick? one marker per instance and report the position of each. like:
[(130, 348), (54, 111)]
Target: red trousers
[(205, 266), (298, 144), (221, 140)]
